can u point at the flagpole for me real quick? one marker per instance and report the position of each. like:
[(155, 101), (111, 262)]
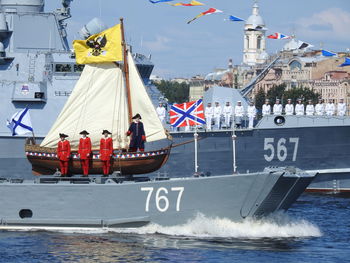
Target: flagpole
[(234, 150), (126, 70), (195, 135)]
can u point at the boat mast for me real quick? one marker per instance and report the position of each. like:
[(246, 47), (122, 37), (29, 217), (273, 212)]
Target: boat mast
[(126, 70)]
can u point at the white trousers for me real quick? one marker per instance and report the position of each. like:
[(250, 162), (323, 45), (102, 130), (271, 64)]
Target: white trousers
[(162, 120), (208, 121), (217, 122), (227, 120), (251, 122)]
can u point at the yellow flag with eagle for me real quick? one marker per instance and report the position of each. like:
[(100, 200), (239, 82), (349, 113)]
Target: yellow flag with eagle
[(100, 48)]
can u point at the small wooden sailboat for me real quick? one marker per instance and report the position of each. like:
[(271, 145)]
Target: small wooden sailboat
[(105, 97)]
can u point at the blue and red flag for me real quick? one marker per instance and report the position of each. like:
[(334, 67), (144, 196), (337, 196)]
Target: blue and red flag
[(187, 114), (278, 36)]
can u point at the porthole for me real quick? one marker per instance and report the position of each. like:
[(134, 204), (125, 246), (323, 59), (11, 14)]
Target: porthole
[(280, 120), (25, 213)]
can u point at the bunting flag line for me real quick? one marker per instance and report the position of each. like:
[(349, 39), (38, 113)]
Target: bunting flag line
[(208, 12), (326, 53), (160, 1), (279, 36), (235, 19), (192, 3), (346, 63)]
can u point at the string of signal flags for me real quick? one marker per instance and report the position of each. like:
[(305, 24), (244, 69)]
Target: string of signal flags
[(210, 11), (213, 10), (277, 35), (232, 18)]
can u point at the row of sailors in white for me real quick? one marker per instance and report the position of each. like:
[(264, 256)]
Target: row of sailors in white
[(320, 109), (238, 111)]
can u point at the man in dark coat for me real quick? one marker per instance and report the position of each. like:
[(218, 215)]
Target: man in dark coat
[(138, 136)]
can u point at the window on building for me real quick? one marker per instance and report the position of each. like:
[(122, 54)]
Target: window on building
[(247, 42), (295, 65), (259, 42)]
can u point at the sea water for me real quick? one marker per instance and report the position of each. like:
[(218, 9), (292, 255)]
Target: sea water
[(315, 229)]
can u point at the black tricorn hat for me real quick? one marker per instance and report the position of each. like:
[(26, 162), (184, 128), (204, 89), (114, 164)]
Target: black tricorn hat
[(62, 135), (84, 132), (137, 116), (106, 131)]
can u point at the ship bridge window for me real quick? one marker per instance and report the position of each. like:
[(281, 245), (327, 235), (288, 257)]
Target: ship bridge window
[(25, 213), (63, 68), (78, 68)]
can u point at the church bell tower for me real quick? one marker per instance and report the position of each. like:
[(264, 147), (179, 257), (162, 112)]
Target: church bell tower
[(254, 39)]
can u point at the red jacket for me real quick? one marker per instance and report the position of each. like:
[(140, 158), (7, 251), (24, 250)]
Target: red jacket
[(106, 149), (84, 148), (63, 150)]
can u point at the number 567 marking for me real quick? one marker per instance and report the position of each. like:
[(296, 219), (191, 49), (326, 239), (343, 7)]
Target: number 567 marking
[(280, 150)]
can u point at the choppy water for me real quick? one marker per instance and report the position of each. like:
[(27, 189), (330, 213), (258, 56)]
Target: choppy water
[(316, 229)]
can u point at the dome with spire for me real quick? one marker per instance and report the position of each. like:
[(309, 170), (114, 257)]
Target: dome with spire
[(255, 19)]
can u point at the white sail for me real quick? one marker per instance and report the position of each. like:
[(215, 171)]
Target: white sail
[(97, 102), (142, 104)]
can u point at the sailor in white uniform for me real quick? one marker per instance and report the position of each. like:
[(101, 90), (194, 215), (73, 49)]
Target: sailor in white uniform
[(330, 108), (227, 114), (289, 108), (239, 113), (299, 108), (209, 113), (341, 108), (251, 112), (277, 108), (161, 113), (319, 108), (266, 108), (310, 109), (217, 115)]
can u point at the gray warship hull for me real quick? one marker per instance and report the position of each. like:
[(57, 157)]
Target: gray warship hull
[(112, 202), (322, 147), (315, 144)]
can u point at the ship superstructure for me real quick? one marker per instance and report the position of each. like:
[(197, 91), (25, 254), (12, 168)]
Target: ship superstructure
[(38, 70)]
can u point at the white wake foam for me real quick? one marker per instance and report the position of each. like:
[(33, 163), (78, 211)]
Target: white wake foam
[(276, 226)]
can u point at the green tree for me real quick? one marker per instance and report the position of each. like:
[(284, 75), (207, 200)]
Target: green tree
[(173, 91), (260, 98), (281, 93), (302, 93), (276, 92)]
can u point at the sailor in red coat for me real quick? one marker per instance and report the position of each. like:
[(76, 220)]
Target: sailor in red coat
[(63, 153), (106, 151), (84, 151)]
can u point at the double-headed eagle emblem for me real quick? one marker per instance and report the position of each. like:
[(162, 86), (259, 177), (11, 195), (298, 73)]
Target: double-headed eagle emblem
[(97, 44)]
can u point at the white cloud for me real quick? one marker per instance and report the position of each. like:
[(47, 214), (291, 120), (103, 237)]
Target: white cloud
[(161, 43), (329, 25)]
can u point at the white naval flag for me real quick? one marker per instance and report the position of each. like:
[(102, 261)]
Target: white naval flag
[(20, 123)]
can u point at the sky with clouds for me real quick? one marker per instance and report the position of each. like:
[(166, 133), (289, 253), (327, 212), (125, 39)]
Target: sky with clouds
[(179, 49)]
